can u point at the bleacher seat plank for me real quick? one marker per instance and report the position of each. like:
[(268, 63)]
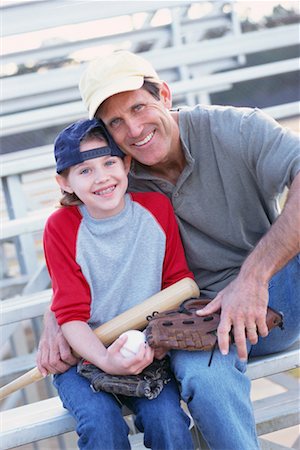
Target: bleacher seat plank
[(42, 420), (48, 14), (38, 118), (274, 363), (277, 413), (48, 418), (29, 224), (18, 364), (22, 307), (23, 161), (30, 423), (62, 83)]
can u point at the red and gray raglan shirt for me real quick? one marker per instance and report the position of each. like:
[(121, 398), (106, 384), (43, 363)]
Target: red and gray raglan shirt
[(102, 267)]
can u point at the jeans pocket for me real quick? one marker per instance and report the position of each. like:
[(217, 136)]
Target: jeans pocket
[(241, 365)]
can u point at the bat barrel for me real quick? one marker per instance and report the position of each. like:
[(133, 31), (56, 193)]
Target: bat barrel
[(136, 317)]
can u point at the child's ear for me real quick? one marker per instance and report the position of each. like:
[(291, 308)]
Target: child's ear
[(63, 183), (127, 162)]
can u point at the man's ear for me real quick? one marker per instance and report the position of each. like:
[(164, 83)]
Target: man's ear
[(63, 184), (127, 162), (165, 95)]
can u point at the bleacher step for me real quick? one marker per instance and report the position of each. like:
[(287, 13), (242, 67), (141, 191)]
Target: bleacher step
[(277, 413), (48, 418)]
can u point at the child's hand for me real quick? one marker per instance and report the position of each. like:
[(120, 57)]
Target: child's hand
[(116, 364)]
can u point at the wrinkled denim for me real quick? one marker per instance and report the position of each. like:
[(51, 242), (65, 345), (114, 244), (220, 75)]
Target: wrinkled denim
[(101, 426), (218, 396)]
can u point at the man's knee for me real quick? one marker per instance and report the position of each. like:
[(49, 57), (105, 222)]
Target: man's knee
[(199, 379)]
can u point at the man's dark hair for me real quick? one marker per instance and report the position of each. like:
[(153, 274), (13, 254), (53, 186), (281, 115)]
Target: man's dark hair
[(152, 87)]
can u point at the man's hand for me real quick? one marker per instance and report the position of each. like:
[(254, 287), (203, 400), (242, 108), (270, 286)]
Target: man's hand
[(243, 311), (54, 353), (244, 302)]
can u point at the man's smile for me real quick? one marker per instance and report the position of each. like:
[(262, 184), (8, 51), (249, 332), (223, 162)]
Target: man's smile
[(145, 140)]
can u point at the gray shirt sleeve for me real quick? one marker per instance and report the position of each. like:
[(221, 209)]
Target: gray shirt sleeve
[(272, 152)]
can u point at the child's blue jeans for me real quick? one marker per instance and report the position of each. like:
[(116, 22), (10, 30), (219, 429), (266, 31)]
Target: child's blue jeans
[(100, 425)]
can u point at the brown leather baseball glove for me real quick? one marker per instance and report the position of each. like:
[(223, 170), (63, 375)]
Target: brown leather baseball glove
[(184, 329)]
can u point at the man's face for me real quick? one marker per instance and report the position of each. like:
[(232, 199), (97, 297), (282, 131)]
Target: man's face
[(141, 125)]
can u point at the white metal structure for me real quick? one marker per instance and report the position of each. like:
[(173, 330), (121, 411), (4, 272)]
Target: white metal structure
[(173, 36)]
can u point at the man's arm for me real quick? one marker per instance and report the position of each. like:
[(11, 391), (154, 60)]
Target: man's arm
[(244, 301), (54, 353)]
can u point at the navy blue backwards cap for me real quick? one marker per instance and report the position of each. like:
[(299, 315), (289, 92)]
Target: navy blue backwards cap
[(67, 144)]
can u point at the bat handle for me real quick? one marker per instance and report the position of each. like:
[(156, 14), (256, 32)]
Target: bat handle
[(24, 380)]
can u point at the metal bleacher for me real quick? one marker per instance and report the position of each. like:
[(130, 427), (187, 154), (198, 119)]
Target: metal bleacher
[(200, 50)]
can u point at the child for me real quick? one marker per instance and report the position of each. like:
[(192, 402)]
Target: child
[(107, 251)]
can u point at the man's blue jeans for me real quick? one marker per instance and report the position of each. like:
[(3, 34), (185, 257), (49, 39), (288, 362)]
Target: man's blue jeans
[(100, 425), (218, 396)]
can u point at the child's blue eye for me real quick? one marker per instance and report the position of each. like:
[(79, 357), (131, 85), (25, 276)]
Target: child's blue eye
[(84, 171), (110, 162)]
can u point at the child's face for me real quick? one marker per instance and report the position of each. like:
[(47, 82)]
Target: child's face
[(100, 183)]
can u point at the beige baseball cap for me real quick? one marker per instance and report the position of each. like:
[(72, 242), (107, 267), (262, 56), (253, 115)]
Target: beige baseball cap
[(111, 74)]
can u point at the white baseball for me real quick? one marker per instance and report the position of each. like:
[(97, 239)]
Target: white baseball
[(132, 345)]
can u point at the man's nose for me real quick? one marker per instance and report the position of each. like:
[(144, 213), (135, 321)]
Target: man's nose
[(134, 128)]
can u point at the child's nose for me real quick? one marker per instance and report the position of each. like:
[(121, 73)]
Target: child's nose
[(101, 176)]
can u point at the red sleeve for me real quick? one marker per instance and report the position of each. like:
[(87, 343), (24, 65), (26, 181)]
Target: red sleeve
[(71, 292), (175, 266)]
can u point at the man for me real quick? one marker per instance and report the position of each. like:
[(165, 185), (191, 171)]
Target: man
[(223, 169)]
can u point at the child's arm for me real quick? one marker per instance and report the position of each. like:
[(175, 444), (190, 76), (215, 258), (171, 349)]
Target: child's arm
[(84, 342)]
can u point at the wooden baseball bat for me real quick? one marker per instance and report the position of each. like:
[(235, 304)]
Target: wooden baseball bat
[(133, 318)]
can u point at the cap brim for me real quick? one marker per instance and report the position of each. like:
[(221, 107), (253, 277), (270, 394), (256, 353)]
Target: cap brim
[(130, 84)]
